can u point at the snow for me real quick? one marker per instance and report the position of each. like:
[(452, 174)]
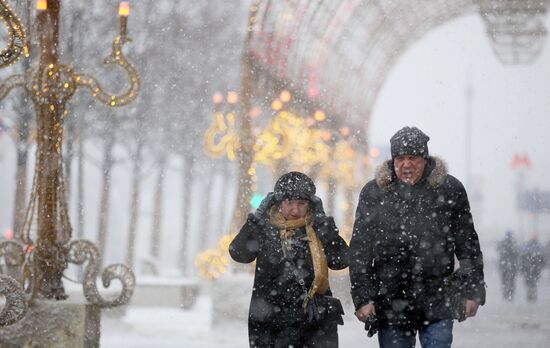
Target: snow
[(498, 324)]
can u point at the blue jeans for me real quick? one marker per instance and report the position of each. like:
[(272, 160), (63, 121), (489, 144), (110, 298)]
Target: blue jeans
[(435, 335)]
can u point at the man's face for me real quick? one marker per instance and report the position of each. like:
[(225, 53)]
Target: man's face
[(409, 168), (294, 209)]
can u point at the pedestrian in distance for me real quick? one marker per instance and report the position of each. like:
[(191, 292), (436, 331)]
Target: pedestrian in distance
[(294, 244), (411, 221), (508, 264), (547, 254), (533, 261)]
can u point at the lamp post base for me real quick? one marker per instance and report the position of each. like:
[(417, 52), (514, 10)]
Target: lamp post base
[(55, 324), (52, 289)]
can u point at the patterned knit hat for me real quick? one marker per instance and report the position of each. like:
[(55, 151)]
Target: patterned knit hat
[(295, 185), (409, 141)]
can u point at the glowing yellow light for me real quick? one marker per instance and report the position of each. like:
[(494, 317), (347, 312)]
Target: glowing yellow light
[(285, 96), (319, 115), (211, 263), (232, 97), (41, 5), (224, 242), (217, 98), (124, 9), (276, 105), (66, 85), (252, 171)]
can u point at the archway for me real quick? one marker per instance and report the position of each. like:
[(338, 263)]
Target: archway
[(336, 55)]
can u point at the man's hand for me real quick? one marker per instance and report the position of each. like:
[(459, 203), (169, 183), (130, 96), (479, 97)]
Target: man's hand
[(364, 312), (470, 308)]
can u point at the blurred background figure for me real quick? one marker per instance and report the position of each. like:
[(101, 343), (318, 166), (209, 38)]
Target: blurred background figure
[(508, 257), (532, 263)]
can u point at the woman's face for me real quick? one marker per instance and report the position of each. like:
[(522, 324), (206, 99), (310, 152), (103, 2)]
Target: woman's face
[(294, 209)]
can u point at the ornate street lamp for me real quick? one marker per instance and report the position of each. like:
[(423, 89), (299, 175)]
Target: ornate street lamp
[(51, 85)]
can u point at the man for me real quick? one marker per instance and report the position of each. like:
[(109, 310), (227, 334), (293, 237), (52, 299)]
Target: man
[(508, 257), (532, 262), (411, 222)]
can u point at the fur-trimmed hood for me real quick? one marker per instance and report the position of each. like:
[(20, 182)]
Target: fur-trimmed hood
[(385, 175)]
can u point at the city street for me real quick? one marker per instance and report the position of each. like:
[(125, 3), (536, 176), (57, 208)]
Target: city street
[(498, 324)]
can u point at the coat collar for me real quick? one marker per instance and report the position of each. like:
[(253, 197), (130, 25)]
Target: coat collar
[(385, 176)]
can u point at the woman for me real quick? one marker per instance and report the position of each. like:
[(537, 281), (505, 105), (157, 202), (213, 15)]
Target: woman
[(294, 243)]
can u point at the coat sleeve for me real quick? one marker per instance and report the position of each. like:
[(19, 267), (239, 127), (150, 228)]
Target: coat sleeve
[(245, 246), (335, 247), (467, 248), (364, 284)]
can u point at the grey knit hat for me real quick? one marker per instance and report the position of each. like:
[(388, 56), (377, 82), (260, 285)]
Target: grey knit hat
[(295, 185), (409, 141)]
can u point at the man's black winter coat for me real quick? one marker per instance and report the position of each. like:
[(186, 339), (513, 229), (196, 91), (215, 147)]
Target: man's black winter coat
[(404, 243)]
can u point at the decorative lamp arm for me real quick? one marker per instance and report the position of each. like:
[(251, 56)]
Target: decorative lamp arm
[(16, 305), (10, 83), (118, 58), (80, 251), (16, 36)]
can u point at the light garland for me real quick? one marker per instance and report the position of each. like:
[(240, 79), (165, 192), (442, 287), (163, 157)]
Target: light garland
[(221, 137)]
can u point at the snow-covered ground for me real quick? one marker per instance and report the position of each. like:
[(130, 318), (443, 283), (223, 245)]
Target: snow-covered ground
[(499, 324)]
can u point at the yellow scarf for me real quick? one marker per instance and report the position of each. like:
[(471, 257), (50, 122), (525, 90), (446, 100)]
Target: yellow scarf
[(320, 265)]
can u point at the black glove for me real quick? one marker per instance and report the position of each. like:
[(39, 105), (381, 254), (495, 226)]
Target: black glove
[(317, 209), (371, 325), (262, 212)]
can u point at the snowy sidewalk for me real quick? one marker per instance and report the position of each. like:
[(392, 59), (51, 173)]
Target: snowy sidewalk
[(499, 324)]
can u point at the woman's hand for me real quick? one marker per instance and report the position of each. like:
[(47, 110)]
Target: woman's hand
[(262, 212)]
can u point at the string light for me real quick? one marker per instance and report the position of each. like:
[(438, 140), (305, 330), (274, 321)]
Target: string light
[(277, 105), (232, 97), (285, 96), (319, 115), (217, 98), (42, 5), (124, 9)]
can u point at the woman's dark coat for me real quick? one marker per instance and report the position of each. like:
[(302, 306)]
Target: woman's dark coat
[(277, 296), (404, 243)]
